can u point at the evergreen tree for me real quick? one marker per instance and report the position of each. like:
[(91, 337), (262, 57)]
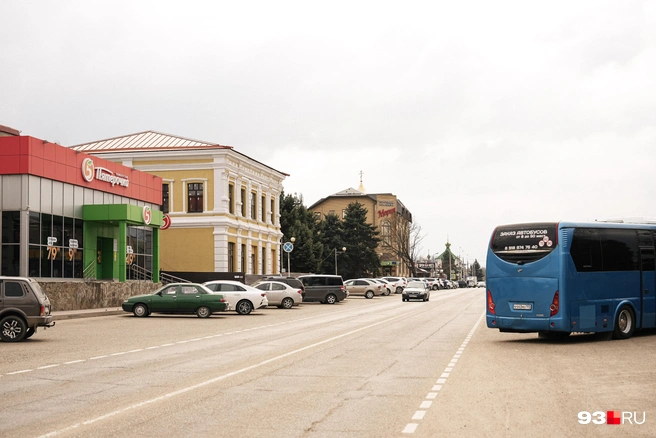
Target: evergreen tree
[(361, 241), (331, 239), (298, 222)]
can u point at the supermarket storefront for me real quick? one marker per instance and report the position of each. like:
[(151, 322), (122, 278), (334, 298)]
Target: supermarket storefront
[(69, 215)]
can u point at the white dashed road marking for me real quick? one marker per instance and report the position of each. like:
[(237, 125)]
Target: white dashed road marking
[(216, 379), (163, 345), (419, 415)]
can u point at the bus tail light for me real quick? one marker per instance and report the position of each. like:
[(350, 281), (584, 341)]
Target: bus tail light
[(555, 304), (490, 303)]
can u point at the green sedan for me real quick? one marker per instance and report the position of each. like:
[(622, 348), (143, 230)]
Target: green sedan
[(177, 298)]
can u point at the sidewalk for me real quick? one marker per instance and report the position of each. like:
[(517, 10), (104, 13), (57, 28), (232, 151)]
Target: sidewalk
[(87, 313)]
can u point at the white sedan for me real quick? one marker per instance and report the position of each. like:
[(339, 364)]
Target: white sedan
[(241, 298), (280, 294)]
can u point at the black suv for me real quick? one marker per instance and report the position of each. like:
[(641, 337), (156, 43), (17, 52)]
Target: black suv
[(323, 288), (23, 307)]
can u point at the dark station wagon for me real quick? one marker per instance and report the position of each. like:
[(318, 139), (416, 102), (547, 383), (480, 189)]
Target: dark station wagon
[(23, 307)]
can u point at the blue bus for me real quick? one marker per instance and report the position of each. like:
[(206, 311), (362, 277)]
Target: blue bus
[(556, 278)]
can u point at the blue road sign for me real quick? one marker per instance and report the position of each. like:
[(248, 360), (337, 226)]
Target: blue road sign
[(288, 247)]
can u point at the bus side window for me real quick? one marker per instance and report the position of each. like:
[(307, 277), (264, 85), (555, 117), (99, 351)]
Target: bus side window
[(586, 250)]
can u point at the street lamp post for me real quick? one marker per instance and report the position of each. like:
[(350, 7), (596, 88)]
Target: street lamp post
[(341, 252)]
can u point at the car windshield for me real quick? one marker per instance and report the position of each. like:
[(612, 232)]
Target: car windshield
[(419, 284)]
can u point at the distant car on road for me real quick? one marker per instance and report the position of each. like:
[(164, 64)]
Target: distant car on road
[(241, 298), (280, 294), (480, 284), (177, 298), (416, 290)]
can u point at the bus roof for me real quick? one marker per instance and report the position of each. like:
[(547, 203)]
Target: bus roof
[(608, 224)]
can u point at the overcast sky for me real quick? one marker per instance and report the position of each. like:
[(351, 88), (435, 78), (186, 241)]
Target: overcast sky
[(473, 113)]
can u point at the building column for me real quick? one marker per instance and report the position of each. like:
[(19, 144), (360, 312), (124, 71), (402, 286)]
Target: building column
[(122, 251), (155, 255)]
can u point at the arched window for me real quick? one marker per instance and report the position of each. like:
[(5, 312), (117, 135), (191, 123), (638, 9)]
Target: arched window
[(386, 233)]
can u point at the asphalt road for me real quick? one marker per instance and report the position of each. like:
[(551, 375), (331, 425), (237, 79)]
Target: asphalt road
[(361, 368)]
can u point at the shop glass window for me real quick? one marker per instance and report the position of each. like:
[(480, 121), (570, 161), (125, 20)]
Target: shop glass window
[(46, 228), (35, 227), (140, 239), (11, 227), (10, 259)]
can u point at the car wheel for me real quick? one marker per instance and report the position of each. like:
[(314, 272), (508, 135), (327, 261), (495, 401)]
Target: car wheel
[(287, 303), (244, 307), (624, 324), (203, 312), (434, 287), (30, 332), (140, 310), (331, 299), (369, 294), (399, 289), (12, 329)]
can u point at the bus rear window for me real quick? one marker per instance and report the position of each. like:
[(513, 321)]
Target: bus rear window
[(524, 243)]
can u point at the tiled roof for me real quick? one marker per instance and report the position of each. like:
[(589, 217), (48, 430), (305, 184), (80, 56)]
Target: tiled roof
[(148, 140)]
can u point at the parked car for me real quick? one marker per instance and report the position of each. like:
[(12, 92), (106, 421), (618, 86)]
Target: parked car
[(480, 284), (416, 290), (23, 308), (293, 282), (387, 287), (280, 294), (462, 283), (363, 287), (177, 298), (241, 298), (328, 289), (433, 283), (398, 283)]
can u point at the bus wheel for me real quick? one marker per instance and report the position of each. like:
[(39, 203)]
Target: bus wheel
[(624, 324)]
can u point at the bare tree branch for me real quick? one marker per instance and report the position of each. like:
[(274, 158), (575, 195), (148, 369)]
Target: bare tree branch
[(404, 241)]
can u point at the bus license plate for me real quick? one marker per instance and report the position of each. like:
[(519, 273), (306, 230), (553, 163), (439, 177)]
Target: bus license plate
[(522, 306)]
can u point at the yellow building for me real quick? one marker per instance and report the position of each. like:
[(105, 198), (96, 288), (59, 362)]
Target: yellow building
[(223, 205), (385, 212)]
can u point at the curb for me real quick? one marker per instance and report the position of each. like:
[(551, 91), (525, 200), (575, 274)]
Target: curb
[(89, 313)]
